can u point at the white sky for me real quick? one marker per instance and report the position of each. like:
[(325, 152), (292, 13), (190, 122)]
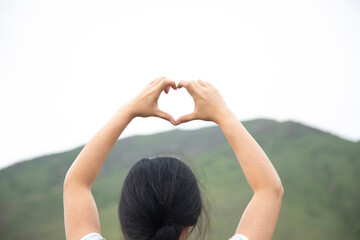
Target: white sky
[(66, 66)]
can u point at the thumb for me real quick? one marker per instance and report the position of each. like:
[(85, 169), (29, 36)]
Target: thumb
[(164, 115), (186, 118)]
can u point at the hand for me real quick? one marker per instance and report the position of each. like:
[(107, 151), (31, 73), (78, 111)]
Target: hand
[(209, 104), (145, 104)]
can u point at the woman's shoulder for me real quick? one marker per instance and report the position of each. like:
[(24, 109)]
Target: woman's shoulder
[(239, 237)]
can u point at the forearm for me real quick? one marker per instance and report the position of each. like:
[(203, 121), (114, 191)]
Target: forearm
[(259, 171), (92, 157)]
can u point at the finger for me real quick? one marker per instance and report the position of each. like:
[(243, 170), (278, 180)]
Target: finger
[(166, 84), (197, 85), (156, 80), (159, 79), (167, 89), (152, 81), (165, 115), (174, 86), (188, 85), (186, 118), (210, 85), (183, 83), (202, 83)]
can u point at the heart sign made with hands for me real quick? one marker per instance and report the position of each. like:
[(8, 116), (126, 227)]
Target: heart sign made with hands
[(177, 102), (201, 102)]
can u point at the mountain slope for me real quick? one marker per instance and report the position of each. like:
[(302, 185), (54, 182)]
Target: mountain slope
[(319, 172)]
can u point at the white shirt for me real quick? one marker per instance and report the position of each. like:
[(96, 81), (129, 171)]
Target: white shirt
[(92, 236), (96, 236), (239, 237)]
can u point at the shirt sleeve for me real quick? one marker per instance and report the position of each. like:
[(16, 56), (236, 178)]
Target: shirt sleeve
[(239, 237), (92, 236)]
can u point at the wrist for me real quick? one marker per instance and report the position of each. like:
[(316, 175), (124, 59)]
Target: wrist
[(127, 111), (224, 115)]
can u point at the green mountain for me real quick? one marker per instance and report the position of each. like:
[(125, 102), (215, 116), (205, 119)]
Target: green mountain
[(319, 172)]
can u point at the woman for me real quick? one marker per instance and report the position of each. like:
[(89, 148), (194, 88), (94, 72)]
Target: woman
[(160, 198)]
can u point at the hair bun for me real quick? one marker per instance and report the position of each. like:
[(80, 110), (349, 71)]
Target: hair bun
[(168, 232)]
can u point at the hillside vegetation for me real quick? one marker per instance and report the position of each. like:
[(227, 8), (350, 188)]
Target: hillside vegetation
[(319, 172)]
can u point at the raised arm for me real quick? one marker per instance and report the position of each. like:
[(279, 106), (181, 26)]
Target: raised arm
[(80, 211), (260, 216)]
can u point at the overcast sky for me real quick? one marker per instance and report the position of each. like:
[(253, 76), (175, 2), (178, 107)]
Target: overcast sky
[(67, 66)]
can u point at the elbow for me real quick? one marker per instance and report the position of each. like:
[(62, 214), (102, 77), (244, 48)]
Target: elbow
[(69, 181), (66, 182), (275, 190), (72, 181), (280, 190)]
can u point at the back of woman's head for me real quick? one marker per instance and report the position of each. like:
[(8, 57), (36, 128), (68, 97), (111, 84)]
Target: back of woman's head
[(159, 198)]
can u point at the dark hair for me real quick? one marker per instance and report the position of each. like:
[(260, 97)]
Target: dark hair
[(159, 198)]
